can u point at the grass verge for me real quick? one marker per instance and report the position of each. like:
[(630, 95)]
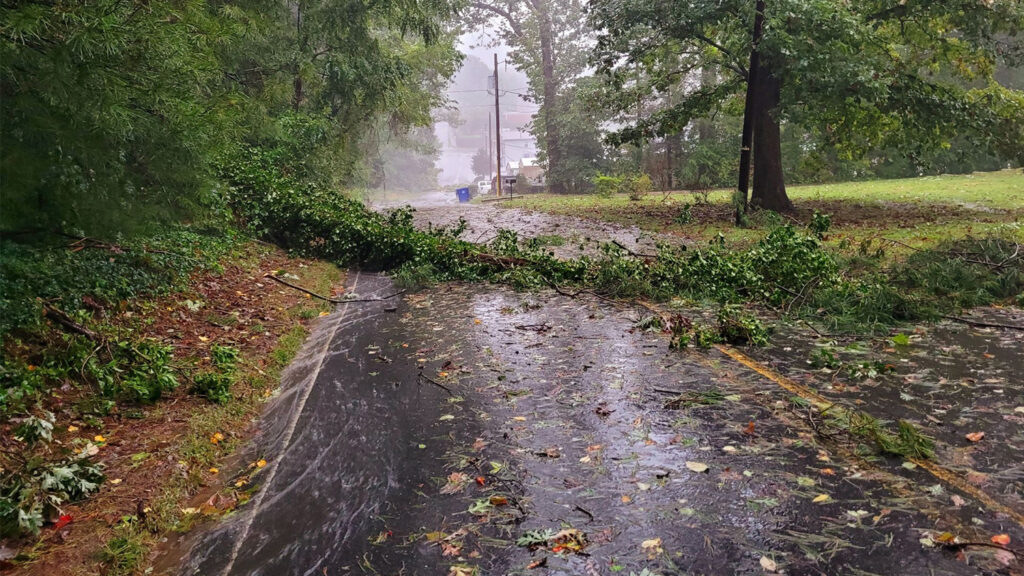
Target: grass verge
[(915, 212)]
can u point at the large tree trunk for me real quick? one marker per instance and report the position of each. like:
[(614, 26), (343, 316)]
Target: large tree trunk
[(550, 103), (769, 186)]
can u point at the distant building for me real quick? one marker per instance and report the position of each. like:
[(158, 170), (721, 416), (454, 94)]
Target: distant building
[(530, 171), (517, 144)]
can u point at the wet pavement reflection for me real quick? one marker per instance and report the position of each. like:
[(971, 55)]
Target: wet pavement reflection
[(476, 430)]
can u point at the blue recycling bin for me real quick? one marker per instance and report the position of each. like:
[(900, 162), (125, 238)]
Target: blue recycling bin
[(463, 194)]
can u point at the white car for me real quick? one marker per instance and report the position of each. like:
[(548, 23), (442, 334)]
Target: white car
[(483, 187)]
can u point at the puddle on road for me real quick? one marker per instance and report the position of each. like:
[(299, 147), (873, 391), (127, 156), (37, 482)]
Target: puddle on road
[(542, 422)]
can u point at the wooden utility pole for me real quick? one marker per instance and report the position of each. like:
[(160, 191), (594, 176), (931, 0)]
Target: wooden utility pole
[(490, 151), (497, 125), (748, 115)]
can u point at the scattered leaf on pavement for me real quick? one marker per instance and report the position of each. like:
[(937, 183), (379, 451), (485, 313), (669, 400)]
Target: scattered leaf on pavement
[(697, 466)]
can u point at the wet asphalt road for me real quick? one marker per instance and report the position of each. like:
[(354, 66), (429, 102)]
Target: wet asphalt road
[(476, 430)]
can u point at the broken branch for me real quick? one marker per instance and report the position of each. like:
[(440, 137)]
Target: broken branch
[(70, 325), (983, 324), (331, 300)]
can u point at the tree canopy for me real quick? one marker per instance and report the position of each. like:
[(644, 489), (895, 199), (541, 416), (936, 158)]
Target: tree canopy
[(911, 75), (115, 112)]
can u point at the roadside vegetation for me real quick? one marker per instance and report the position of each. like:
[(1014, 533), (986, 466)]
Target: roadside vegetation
[(161, 158), (913, 212), (120, 375), (790, 269)]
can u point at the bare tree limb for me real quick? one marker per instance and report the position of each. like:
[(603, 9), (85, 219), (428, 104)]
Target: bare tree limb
[(70, 325), (325, 298), (512, 23)]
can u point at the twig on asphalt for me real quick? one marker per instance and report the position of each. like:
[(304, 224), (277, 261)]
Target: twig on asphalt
[(579, 508), (436, 383), (331, 300)]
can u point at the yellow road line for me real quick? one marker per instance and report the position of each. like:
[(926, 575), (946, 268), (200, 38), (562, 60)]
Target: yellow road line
[(940, 472), (962, 484)]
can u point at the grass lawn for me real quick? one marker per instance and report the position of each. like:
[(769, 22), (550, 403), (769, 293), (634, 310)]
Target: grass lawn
[(914, 211)]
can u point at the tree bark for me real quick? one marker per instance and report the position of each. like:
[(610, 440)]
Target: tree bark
[(551, 139), (297, 94), (769, 185)]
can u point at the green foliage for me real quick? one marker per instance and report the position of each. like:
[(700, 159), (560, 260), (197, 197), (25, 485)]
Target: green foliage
[(684, 332), (224, 357), (33, 429), (105, 273), (137, 372), (820, 224), (651, 323), (869, 369), (825, 358), (113, 113), (110, 111), (955, 274), (966, 273), (901, 340), (639, 186), (685, 215), (123, 553), (636, 185), (535, 538), (20, 385), (32, 495), (737, 326), (546, 240), (320, 222), (215, 385), (606, 185), (691, 399), (415, 276), (907, 441), (914, 89)]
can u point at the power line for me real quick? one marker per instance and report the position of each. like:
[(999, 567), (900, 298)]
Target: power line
[(506, 90)]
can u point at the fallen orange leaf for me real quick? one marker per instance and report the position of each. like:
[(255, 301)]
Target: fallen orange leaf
[(1001, 539), (975, 436)]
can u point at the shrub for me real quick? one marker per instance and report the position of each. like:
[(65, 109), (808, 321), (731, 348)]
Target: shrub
[(100, 273), (607, 186), (638, 186)]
